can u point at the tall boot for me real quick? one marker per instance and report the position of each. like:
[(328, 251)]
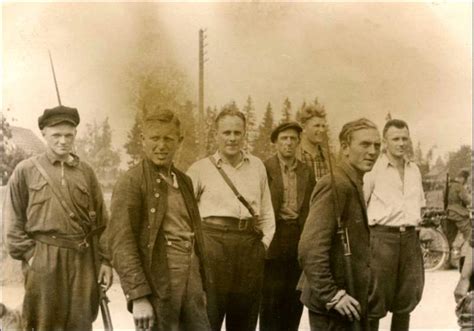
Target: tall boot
[(400, 322), (373, 325)]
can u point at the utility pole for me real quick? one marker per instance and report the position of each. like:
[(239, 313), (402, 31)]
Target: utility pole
[(202, 122)]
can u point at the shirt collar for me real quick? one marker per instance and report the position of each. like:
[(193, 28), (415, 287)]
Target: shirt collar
[(220, 160), (284, 166), (155, 171), (72, 160), (386, 161)]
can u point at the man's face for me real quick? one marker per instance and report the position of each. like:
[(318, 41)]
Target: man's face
[(363, 150), (60, 138), (314, 129), (397, 141), (230, 135), (160, 142), (286, 143)]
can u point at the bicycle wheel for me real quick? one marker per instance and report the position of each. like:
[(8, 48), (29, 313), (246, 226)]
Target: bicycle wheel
[(434, 247)]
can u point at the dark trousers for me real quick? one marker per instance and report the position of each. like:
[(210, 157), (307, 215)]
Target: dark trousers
[(236, 262), (185, 309), (281, 308), (397, 277), (326, 322), (456, 222), (60, 290)]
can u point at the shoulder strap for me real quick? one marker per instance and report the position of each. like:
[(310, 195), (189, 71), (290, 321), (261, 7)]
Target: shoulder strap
[(233, 188), (53, 187), (57, 193)]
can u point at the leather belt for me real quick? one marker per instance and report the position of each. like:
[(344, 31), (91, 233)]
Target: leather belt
[(231, 223), (79, 243), (393, 229)]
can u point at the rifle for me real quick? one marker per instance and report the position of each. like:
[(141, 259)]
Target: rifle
[(343, 235), (103, 299), (446, 193)]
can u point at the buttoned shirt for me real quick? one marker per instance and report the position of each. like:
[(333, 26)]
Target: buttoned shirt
[(31, 207), (216, 198), (317, 162), (392, 201), (176, 222), (289, 206)]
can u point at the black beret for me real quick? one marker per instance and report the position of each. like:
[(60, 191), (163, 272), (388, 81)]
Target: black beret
[(283, 127), (58, 115)]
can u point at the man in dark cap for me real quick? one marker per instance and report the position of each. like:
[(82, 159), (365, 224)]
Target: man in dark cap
[(291, 183), (155, 235), (54, 210)]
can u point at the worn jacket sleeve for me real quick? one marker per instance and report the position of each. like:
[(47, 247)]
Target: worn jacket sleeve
[(20, 245), (122, 242), (317, 238), (102, 216)]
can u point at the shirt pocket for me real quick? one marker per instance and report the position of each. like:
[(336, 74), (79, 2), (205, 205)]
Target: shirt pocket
[(39, 193), (81, 195)]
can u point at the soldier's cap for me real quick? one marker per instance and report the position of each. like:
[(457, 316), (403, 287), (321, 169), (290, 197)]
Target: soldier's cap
[(285, 126), (59, 114)]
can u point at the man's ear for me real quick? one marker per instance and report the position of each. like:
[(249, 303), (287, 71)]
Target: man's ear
[(345, 149)]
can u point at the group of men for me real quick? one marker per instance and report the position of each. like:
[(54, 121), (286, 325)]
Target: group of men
[(235, 238)]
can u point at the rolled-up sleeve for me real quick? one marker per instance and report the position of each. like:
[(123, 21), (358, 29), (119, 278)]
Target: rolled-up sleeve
[(267, 216), (20, 245)]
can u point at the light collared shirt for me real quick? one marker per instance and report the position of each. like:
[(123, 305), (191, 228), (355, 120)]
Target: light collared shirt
[(289, 206), (391, 201), (215, 197)]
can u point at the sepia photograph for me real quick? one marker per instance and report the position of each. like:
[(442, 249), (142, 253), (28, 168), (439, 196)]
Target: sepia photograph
[(236, 165)]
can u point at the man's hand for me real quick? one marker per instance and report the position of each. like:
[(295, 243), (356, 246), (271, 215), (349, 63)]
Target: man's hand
[(461, 289), (143, 314), (105, 276), (349, 307)]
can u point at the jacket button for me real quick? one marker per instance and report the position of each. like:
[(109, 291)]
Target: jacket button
[(157, 195), (158, 180), (148, 245), (152, 210)]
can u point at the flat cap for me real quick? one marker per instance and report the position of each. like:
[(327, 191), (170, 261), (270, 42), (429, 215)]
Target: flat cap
[(285, 126), (58, 115)]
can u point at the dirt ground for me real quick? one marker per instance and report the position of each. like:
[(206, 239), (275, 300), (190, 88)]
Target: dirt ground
[(435, 312)]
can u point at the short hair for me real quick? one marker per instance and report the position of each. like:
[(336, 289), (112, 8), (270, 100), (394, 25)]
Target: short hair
[(399, 124), (310, 111), (164, 115), (345, 136), (230, 110)]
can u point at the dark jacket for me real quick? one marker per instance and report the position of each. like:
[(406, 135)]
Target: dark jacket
[(459, 200), (135, 235), (320, 248), (280, 247)]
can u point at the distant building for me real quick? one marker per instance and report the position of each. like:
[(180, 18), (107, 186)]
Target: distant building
[(26, 140)]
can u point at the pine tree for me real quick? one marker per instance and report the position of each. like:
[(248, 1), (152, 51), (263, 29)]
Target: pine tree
[(133, 146), (263, 148), (96, 148), (251, 127), (286, 111)]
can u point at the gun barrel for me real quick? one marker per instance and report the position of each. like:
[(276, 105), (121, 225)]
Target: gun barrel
[(104, 309)]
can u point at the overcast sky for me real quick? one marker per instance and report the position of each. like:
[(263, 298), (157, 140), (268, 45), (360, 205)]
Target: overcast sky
[(410, 59)]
